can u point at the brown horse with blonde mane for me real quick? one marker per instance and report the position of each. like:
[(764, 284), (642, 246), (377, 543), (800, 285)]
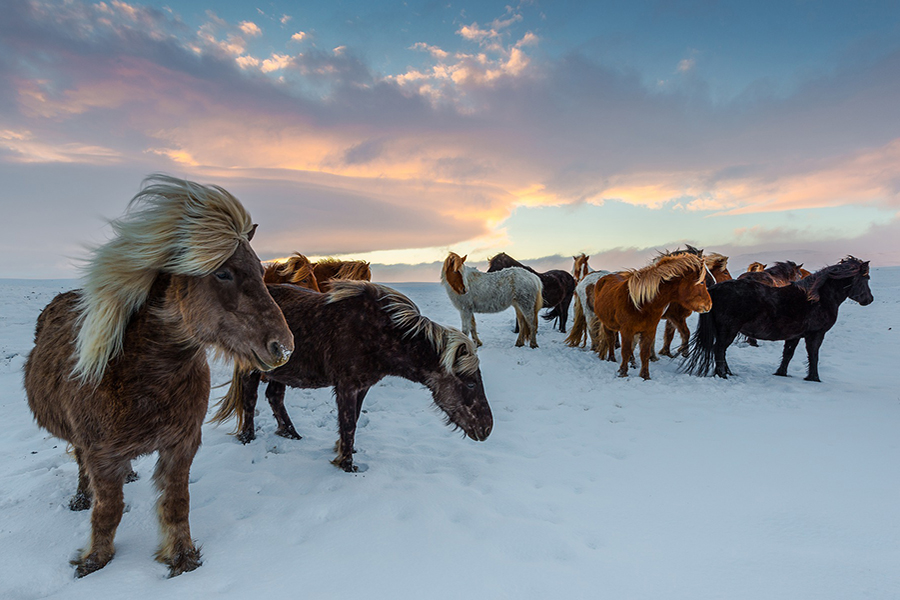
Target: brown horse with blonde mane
[(296, 270), (632, 303), (119, 367), (676, 315), (329, 269)]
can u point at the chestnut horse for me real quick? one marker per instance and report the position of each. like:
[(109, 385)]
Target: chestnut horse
[(756, 267), (557, 288), (632, 303), (676, 315), (583, 311), (296, 270), (119, 367), (353, 337), (580, 269), (330, 269), (472, 291)]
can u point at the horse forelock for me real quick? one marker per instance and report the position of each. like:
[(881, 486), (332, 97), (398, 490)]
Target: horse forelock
[(714, 260), (643, 284), (171, 226)]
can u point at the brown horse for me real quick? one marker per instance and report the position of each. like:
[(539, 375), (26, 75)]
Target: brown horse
[(353, 337), (296, 270), (580, 269), (676, 315), (756, 267), (632, 303), (778, 275), (330, 269), (119, 367)]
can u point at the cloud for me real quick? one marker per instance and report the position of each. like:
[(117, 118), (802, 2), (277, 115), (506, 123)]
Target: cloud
[(686, 65), (250, 28), (299, 36)]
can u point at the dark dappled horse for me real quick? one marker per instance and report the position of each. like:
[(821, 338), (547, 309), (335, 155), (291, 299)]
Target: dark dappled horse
[(558, 287), (353, 337), (472, 291), (806, 309), (119, 367), (632, 303)]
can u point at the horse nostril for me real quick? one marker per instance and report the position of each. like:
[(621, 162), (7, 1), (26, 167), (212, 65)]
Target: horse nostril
[(278, 351)]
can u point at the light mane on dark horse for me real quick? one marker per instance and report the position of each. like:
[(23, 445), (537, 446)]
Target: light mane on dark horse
[(296, 270), (806, 309), (558, 287), (178, 277), (632, 303), (354, 336)]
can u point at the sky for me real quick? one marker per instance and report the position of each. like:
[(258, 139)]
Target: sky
[(397, 131)]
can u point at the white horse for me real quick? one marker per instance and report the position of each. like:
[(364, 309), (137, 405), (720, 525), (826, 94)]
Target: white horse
[(472, 291), (583, 314)]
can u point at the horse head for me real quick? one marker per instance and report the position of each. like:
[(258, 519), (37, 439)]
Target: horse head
[(859, 287), (452, 272), (756, 266), (457, 387), (693, 293)]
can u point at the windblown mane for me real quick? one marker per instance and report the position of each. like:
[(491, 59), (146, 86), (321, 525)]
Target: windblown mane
[(643, 284), (714, 260), (293, 270), (848, 267), (784, 269), (405, 315), (170, 226), (347, 269)]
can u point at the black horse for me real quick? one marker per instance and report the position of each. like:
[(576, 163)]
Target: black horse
[(558, 288), (357, 334), (805, 309)]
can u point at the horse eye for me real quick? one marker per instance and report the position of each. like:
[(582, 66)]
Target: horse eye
[(470, 385), (224, 275)]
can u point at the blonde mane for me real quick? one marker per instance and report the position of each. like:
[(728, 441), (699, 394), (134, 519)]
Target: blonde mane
[(347, 269), (294, 270), (405, 315), (714, 260), (170, 226), (643, 284)]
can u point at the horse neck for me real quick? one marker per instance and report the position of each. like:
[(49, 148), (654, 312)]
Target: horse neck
[(834, 291), (669, 291)]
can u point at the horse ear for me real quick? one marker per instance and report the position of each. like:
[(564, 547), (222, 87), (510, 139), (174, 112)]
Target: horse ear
[(252, 232), (800, 265), (463, 259)]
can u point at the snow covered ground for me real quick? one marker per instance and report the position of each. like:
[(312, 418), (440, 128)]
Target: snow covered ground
[(590, 486)]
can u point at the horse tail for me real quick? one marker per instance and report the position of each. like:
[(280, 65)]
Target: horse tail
[(553, 313), (578, 332), (233, 401), (700, 360)]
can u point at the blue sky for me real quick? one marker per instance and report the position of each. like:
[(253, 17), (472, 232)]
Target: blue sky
[(396, 131)]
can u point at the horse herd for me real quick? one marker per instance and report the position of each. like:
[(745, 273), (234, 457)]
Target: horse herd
[(119, 368)]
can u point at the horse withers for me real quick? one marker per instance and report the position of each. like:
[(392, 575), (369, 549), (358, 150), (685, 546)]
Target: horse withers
[(178, 277), (354, 336), (806, 310)]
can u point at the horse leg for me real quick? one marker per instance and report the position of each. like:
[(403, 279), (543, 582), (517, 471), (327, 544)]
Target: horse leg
[(685, 334), (668, 336), (250, 385), (786, 356), (107, 478), (521, 326), (275, 396), (474, 331), (533, 324), (635, 341), (627, 352), (813, 342), (173, 468), (723, 340), (610, 339), (346, 398), (82, 498), (647, 342)]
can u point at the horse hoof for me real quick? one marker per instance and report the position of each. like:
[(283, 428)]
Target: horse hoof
[(665, 352), (132, 476), (89, 564), (245, 437), (289, 433), (780, 374), (654, 359), (79, 502), (645, 377), (808, 378), (184, 561)]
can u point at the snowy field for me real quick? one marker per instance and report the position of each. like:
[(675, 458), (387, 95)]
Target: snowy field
[(590, 486)]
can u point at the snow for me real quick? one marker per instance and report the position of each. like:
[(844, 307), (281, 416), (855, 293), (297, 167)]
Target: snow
[(590, 486)]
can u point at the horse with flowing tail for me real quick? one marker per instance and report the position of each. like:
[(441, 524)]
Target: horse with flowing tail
[(806, 309), (472, 291), (557, 290), (119, 367), (354, 336), (332, 269), (632, 303), (296, 270), (583, 312), (676, 315), (580, 269)]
